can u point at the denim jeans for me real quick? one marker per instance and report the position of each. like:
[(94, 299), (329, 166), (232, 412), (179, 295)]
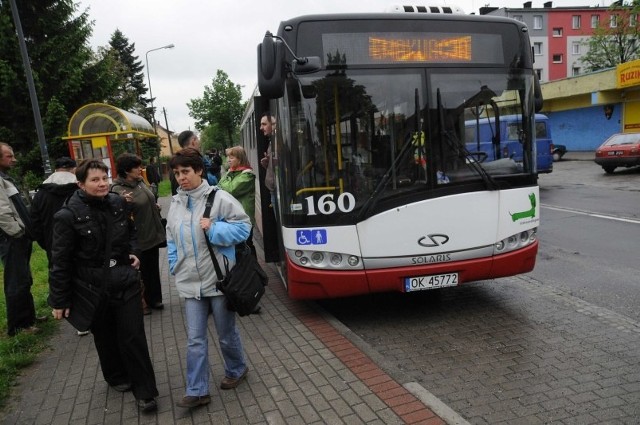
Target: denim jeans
[(197, 314)]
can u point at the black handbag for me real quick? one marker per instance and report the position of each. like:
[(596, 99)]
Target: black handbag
[(244, 284), (85, 304)]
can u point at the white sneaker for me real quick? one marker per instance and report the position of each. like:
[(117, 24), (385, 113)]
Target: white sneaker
[(83, 333)]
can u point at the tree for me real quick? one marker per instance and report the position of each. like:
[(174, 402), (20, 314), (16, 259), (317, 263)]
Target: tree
[(67, 75), (130, 95), (212, 138), (221, 105), (611, 45)]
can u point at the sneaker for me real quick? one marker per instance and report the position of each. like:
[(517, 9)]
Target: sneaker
[(41, 319), (190, 401), (148, 405), (122, 387), (83, 333), (230, 383)]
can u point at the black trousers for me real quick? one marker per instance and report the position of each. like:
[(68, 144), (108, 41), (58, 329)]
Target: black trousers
[(121, 342), (16, 255), (150, 272)]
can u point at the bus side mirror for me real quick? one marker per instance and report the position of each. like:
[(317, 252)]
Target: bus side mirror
[(537, 92), (270, 68)]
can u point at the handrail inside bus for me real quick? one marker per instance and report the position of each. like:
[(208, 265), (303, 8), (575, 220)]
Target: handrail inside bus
[(315, 189)]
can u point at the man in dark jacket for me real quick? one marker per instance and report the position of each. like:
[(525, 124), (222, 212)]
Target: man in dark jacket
[(15, 250), (49, 198)]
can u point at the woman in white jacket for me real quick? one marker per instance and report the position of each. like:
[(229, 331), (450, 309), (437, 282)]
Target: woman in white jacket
[(195, 276)]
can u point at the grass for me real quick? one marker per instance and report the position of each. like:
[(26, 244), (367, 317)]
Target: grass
[(164, 188), (21, 350)]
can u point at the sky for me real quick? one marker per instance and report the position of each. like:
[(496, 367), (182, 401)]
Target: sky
[(222, 34)]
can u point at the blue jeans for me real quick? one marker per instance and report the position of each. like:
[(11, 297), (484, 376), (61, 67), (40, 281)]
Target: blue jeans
[(197, 314)]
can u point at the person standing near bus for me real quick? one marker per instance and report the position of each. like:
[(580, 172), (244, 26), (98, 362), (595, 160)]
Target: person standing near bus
[(191, 264), (240, 181), (94, 245), (15, 250), (149, 228), (189, 139), (267, 124)]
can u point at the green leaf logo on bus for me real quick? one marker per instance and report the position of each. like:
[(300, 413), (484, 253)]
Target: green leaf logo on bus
[(530, 213)]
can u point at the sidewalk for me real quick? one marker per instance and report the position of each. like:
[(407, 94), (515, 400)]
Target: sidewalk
[(304, 368)]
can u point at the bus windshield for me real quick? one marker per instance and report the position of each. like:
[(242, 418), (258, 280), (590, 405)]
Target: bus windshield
[(362, 141)]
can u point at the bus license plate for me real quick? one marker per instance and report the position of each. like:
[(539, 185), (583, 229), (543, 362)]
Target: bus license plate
[(422, 283)]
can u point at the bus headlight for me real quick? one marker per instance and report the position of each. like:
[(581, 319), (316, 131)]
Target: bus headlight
[(317, 257), (517, 241), (325, 260)]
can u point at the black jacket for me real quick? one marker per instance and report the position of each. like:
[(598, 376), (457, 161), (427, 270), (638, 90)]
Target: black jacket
[(78, 245), (47, 201)]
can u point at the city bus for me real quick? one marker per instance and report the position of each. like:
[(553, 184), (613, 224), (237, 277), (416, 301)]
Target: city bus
[(376, 189), (496, 136)]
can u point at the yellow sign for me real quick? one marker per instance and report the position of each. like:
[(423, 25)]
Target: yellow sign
[(98, 142), (628, 74), (421, 49)]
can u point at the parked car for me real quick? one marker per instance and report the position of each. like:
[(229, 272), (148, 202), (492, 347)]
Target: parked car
[(619, 150), (558, 151)]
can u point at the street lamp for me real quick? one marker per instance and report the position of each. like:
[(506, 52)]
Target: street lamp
[(153, 112)]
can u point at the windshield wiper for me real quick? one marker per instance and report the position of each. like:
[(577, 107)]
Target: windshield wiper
[(377, 192), (458, 147)]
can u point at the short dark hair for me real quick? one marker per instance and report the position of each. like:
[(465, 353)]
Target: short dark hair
[(65, 162), (127, 162), (90, 164), (187, 157), (185, 137)]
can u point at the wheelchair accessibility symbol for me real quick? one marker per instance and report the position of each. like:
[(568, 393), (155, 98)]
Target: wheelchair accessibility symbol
[(311, 237)]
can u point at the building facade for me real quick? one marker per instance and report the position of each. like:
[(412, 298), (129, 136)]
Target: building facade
[(557, 35)]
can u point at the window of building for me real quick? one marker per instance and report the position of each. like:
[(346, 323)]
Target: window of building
[(613, 22), (575, 71), (539, 74), (557, 58), (518, 18), (595, 21), (557, 32), (575, 48), (575, 22), (537, 48), (633, 20), (537, 22)]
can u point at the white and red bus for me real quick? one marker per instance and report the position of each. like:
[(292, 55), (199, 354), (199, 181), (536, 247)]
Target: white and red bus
[(376, 189)]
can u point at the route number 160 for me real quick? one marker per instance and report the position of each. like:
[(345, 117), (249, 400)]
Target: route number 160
[(345, 203)]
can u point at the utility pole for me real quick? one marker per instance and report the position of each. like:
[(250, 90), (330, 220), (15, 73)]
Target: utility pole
[(166, 126), (32, 89)]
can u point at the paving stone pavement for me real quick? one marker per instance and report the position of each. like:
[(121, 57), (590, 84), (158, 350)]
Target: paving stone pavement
[(304, 368)]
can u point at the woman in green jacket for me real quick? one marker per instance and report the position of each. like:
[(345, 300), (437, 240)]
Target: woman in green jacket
[(240, 181)]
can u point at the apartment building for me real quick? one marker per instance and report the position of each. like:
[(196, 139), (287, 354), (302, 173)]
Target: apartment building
[(557, 35)]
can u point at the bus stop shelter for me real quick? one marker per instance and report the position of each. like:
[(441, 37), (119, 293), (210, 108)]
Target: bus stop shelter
[(95, 127)]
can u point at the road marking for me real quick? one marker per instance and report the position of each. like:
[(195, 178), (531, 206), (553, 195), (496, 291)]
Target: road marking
[(591, 214)]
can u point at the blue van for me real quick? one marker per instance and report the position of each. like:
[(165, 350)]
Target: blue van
[(510, 147)]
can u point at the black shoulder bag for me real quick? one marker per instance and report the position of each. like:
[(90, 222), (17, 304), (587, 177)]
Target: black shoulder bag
[(244, 284)]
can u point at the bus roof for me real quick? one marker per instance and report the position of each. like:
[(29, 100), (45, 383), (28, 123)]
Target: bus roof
[(399, 16)]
